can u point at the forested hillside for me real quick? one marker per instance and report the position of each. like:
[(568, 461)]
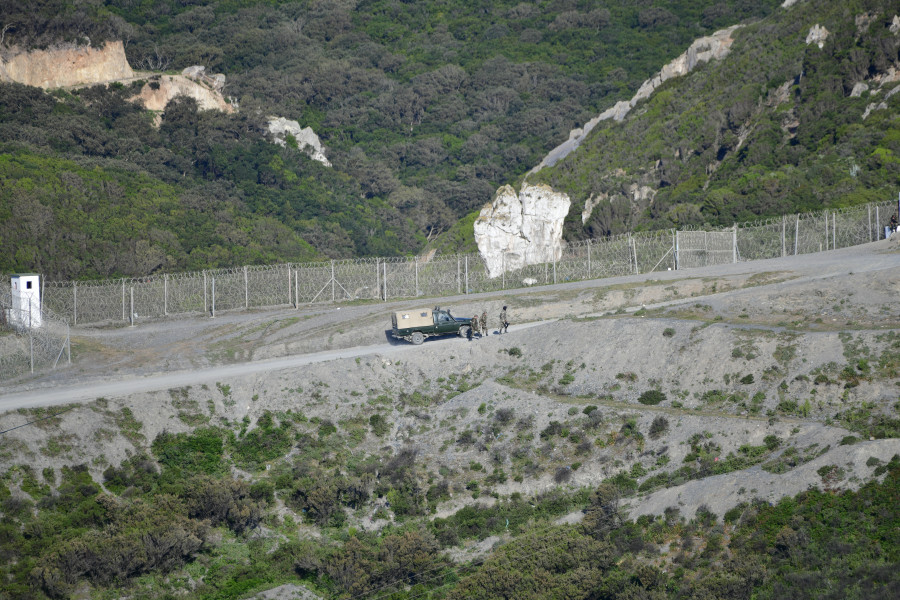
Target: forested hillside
[(425, 108), (780, 125)]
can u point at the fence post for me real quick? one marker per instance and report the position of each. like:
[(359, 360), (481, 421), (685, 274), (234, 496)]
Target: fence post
[(826, 230), (633, 249), (123, 299), (589, 258), (783, 240), (377, 277), (796, 233), (834, 231), (467, 273), (877, 223), (296, 288), (131, 315), (458, 277), (31, 349), (416, 262), (205, 305), (332, 282), (289, 285), (247, 288), (734, 252), (68, 344), (166, 294), (213, 314), (675, 244), (869, 206), (74, 303)]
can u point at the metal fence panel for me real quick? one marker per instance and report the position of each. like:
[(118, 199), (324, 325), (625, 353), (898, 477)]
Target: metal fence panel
[(704, 248), (121, 300)]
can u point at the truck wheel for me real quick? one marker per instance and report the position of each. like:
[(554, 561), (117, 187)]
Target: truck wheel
[(464, 331), (417, 337)]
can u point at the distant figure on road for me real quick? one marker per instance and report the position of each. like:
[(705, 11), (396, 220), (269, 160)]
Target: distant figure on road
[(483, 323), (473, 328), (504, 324), (893, 224)]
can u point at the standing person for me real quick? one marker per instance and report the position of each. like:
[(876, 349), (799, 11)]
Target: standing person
[(473, 327), (483, 323), (893, 222), (504, 324)]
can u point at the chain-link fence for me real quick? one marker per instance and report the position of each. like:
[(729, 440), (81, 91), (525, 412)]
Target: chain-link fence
[(208, 292), (28, 343)]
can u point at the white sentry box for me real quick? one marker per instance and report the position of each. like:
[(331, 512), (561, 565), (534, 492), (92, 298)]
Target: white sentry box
[(26, 300)]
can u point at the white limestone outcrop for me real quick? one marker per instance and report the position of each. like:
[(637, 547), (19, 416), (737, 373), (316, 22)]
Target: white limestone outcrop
[(705, 49), (157, 92), (307, 140), (817, 35), (68, 66), (521, 229)]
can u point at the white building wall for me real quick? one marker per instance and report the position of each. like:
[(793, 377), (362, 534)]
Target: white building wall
[(26, 300)]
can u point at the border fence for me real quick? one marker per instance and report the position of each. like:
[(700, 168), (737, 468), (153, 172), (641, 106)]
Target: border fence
[(24, 348), (208, 292)]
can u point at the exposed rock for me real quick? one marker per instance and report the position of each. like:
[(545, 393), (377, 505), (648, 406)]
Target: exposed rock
[(892, 76), (589, 205), (858, 90), (641, 193), (863, 21), (157, 93), (521, 229), (788, 3), (198, 73), (64, 67), (715, 46), (817, 35), (307, 140), (895, 25)]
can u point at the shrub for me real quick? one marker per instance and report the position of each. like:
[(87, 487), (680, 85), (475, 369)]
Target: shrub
[(652, 397), (659, 426), (562, 475), (197, 452), (515, 351), (747, 379), (326, 428), (589, 409), (668, 332), (379, 425), (504, 416), (772, 442)]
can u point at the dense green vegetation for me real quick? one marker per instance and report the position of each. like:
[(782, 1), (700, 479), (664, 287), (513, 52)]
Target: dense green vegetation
[(178, 515), (772, 129), (425, 108)]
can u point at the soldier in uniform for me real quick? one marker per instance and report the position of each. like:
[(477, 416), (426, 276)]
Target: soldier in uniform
[(504, 324), (483, 323), (473, 327)]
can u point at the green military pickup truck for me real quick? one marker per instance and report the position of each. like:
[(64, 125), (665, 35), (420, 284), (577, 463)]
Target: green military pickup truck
[(416, 325)]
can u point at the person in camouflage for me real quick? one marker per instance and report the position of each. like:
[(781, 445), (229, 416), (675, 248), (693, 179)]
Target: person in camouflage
[(483, 323), (473, 327), (504, 324)]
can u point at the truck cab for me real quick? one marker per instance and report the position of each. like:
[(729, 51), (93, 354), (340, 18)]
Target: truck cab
[(417, 324)]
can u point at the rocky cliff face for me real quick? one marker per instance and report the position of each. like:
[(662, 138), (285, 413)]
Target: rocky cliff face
[(64, 67), (159, 90), (521, 229), (713, 47), (306, 138)]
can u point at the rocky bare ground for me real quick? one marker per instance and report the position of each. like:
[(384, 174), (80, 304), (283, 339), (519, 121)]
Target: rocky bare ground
[(765, 374)]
